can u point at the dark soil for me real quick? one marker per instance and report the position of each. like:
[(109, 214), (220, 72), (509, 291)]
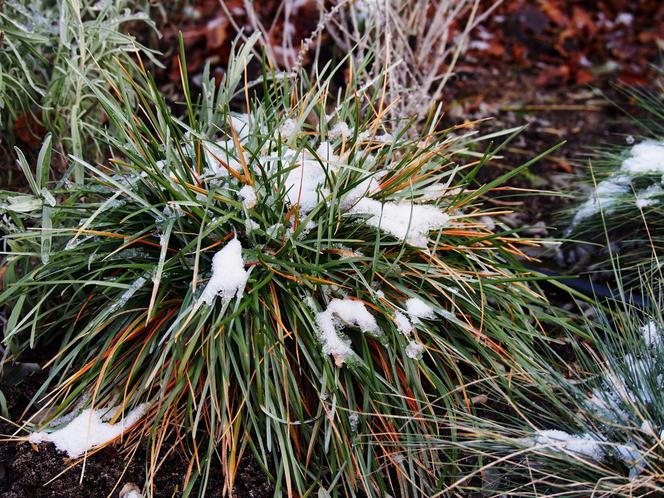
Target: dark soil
[(41, 471)]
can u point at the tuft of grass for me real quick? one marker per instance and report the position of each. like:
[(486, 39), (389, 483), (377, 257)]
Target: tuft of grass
[(415, 45), (115, 273), (579, 419), (54, 53), (625, 202)]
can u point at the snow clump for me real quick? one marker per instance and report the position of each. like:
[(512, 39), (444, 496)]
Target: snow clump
[(646, 158), (91, 428), (338, 314), (228, 274)]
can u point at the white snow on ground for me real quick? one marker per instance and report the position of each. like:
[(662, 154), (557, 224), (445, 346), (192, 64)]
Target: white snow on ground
[(645, 158), (248, 195), (403, 220), (88, 430), (417, 308), (338, 314), (228, 274)]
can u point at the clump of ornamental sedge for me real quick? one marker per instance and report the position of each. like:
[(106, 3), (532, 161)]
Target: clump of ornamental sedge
[(279, 282), (625, 204), (586, 418)]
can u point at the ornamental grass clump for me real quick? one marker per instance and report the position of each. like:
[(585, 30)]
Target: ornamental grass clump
[(586, 419), (625, 204), (53, 53), (279, 281)]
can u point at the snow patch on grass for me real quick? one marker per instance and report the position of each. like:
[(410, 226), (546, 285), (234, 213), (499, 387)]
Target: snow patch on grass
[(228, 274), (644, 198), (584, 445), (403, 324), (414, 350), (405, 221), (646, 158), (338, 314), (652, 335), (417, 308), (88, 430), (248, 195)]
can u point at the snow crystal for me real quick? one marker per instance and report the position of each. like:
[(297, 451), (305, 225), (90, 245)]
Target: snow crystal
[(414, 350), (403, 324), (404, 220), (652, 334), (228, 274), (644, 198), (562, 441), (417, 308), (339, 313), (288, 129), (88, 430), (645, 158), (340, 129), (354, 420), (248, 195)]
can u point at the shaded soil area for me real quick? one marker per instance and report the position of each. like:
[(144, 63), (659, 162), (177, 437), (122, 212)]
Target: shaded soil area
[(42, 471), (576, 119)]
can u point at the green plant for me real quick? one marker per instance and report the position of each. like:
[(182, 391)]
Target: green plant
[(53, 54), (269, 282), (581, 419), (624, 206)]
